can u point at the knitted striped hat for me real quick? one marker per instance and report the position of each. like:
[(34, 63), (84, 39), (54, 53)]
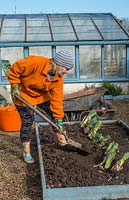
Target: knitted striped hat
[(64, 58)]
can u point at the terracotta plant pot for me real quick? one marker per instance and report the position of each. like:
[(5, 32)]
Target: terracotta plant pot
[(10, 120)]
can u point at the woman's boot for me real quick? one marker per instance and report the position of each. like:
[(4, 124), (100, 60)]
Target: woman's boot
[(26, 152)]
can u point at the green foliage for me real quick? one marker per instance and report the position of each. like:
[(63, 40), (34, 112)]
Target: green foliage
[(5, 65), (119, 164), (111, 152), (92, 124), (113, 90)]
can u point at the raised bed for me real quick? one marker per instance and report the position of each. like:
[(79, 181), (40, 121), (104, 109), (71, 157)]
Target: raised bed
[(56, 176)]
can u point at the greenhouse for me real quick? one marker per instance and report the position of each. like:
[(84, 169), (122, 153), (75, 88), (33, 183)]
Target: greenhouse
[(83, 130), (98, 41)]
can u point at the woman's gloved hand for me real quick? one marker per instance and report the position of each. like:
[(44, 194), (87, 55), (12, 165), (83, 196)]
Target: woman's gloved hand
[(15, 91), (59, 123), (60, 136)]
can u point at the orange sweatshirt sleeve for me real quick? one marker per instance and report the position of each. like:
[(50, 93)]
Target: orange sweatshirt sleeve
[(14, 74), (56, 98), (19, 69), (27, 71)]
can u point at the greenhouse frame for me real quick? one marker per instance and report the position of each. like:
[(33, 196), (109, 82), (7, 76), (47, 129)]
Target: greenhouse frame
[(98, 41)]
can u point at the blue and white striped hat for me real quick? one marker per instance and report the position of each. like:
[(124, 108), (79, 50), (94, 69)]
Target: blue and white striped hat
[(64, 58)]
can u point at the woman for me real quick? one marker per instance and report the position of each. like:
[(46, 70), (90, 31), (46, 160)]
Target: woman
[(39, 80)]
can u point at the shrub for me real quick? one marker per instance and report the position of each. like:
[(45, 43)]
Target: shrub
[(113, 90)]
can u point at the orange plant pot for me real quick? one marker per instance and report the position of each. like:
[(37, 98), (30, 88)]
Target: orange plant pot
[(10, 120)]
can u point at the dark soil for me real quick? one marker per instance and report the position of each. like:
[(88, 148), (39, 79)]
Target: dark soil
[(71, 169)]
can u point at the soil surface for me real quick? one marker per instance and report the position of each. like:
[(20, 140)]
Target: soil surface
[(21, 181), (18, 180), (64, 168)]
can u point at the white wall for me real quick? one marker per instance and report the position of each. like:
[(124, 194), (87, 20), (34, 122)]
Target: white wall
[(75, 87)]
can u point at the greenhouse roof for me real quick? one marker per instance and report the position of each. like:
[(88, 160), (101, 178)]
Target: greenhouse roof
[(60, 27)]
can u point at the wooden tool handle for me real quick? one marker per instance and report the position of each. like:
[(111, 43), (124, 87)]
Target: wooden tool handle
[(43, 116)]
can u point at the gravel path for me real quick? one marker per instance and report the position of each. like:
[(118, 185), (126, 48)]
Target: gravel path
[(122, 110), (18, 180)]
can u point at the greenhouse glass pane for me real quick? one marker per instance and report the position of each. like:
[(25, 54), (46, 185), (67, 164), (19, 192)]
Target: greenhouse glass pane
[(85, 26), (87, 33), (12, 38), (90, 61), (80, 16), (82, 22), (35, 22), (105, 22), (115, 61), (81, 29), (62, 29), (59, 20), (64, 37), (109, 28), (13, 30), (40, 51), (114, 36), (89, 36), (13, 22), (38, 30), (10, 54), (38, 37)]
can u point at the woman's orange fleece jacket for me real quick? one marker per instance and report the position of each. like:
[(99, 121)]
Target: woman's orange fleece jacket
[(30, 74)]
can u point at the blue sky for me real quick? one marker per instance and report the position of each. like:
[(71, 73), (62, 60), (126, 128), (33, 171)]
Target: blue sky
[(119, 8)]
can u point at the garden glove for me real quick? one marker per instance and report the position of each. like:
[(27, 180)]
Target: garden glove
[(15, 91), (59, 123), (61, 136)]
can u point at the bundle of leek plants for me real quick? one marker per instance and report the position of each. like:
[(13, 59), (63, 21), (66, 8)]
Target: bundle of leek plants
[(92, 125)]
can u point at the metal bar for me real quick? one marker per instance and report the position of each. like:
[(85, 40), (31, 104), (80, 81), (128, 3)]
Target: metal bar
[(1, 25), (73, 27), (127, 61), (40, 121), (50, 27), (26, 51), (109, 122), (72, 43), (25, 28), (123, 124), (82, 81), (77, 67), (97, 28), (95, 80), (42, 172), (116, 97), (102, 62)]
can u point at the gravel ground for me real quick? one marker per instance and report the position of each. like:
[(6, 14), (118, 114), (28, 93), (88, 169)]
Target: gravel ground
[(21, 181), (122, 110), (18, 180)]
